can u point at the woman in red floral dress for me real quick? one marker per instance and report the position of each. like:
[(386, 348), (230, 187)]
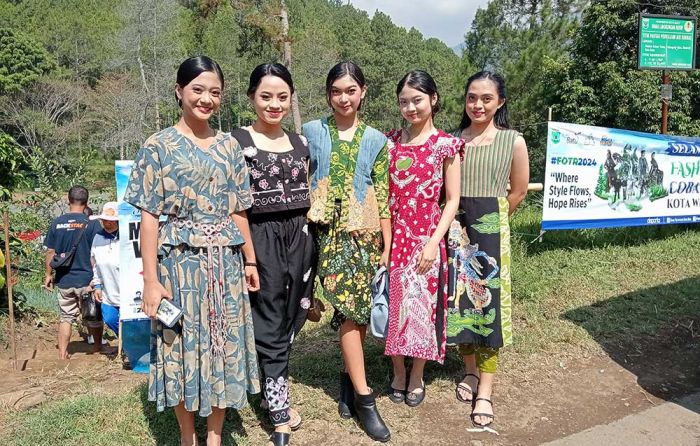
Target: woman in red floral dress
[(421, 161)]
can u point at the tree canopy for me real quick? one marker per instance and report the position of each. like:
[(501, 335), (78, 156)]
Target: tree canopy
[(99, 74)]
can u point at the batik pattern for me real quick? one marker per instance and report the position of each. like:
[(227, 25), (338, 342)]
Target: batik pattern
[(417, 301), (198, 188), (479, 274)]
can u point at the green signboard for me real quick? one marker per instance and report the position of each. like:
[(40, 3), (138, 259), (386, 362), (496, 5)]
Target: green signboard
[(666, 42)]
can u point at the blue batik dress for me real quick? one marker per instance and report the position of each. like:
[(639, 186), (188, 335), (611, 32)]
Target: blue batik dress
[(208, 359)]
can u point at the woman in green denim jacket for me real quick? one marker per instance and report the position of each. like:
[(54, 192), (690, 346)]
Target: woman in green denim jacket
[(349, 206)]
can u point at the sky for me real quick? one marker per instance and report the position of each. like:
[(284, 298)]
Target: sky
[(448, 20)]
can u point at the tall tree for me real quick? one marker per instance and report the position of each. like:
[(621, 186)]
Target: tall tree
[(43, 117), (116, 112), (80, 34), (221, 34), (514, 37), (287, 61), (598, 82), (155, 40), (22, 61)]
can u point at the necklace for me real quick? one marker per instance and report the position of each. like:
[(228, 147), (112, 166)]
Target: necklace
[(410, 139), (483, 136)]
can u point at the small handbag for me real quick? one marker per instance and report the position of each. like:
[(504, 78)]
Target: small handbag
[(64, 259), (90, 309), (315, 310), (379, 316)]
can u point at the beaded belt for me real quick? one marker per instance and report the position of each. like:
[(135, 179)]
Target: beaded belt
[(209, 229), (215, 288)]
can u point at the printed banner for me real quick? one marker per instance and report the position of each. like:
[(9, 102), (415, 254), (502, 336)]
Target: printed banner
[(599, 177), (130, 265)]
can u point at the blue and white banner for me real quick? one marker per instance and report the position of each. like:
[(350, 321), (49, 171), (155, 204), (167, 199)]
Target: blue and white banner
[(136, 327), (598, 177), (130, 265)]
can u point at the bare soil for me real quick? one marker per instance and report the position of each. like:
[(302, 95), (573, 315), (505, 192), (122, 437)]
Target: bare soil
[(541, 399)]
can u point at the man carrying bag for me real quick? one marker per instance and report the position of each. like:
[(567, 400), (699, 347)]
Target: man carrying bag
[(68, 243)]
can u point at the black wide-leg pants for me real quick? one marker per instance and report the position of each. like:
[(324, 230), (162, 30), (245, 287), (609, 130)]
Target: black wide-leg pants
[(284, 254)]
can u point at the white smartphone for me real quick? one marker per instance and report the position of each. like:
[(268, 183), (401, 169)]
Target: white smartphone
[(168, 313)]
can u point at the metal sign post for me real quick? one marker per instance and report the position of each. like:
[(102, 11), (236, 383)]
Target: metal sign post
[(666, 43), (666, 95)]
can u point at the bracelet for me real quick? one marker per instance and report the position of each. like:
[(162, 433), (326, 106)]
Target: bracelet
[(250, 264)]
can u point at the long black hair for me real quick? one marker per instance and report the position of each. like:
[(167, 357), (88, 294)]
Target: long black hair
[(423, 82), (193, 67), (269, 69), (500, 119), (344, 69)]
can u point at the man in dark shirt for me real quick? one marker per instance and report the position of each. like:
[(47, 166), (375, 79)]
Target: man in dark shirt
[(72, 280)]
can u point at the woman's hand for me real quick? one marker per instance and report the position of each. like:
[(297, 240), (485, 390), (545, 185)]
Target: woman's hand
[(427, 257), (384, 259), (252, 280), (153, 293), (98, 295)]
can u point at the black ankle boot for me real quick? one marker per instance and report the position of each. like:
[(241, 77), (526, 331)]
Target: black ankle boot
[(347, 397), (370, 420)]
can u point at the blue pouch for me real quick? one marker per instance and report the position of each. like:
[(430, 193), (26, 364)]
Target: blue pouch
[(379, 317)]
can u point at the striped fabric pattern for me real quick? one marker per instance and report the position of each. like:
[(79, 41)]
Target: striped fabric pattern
[(486, 168)]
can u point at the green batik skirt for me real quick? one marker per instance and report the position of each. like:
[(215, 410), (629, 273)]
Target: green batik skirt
[(183, 368), (347, 264), (479, 303)]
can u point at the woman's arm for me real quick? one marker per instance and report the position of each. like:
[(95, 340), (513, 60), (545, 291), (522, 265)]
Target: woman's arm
[(96, 280), (519, 175), (380, 180), (153, 291), (251, 271), (385, 224), (430, 251)]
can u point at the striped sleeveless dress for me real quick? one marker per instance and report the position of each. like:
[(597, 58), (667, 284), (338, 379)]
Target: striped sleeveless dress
[(479, 286)]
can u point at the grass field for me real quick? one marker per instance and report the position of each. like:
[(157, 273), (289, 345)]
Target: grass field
[(576, 291)]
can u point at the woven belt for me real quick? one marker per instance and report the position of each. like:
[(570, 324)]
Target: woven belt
[(215, 288)]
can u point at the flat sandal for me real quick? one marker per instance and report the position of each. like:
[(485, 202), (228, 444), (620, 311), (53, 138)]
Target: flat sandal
[(467, 388), (481, 414)]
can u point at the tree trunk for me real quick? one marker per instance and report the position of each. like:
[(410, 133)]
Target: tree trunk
[(156, 92), (287, 60)]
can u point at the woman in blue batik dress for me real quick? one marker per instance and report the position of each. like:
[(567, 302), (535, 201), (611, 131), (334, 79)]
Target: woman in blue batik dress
[(202, 258)]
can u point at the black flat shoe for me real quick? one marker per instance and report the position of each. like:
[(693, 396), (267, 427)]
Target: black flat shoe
[(369, 418), (414, 399), (280, 438), (346, 409), (396, 395)]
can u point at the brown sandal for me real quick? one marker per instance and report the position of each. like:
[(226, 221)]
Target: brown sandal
[(467, 388), (294, 422)]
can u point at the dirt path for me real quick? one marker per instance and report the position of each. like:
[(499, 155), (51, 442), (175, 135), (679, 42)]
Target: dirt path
[(40, 376), (535, 402)]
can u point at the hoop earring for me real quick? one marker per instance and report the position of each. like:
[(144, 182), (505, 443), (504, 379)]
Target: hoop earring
[(179, 102)]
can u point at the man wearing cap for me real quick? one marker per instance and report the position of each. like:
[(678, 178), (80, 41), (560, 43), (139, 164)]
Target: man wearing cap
[(70, 238), (105, 264)]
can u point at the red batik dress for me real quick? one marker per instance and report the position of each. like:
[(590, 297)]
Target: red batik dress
[(417, 302)]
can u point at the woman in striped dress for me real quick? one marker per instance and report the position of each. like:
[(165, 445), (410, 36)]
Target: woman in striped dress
[(479, 310)]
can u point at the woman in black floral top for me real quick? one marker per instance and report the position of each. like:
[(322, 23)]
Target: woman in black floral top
[(277, 162)]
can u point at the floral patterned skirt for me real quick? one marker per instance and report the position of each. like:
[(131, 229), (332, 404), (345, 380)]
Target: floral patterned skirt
[(183, 368), (347, 263)]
